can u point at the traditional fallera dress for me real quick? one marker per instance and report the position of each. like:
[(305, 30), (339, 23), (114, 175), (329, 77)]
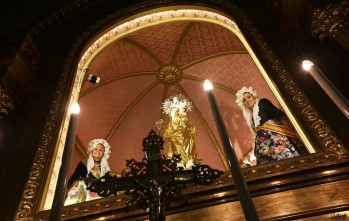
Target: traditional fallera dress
[(78, 183), (273, 141)]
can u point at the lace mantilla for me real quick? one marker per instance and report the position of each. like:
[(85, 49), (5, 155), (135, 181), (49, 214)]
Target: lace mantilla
[(104, 163), (252, 118), (256, 117)]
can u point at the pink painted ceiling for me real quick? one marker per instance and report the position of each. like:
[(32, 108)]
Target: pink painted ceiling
[(125, 105)]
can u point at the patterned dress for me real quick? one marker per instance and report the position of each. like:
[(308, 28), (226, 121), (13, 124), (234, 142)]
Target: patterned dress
[(275, 141), (77, 192)]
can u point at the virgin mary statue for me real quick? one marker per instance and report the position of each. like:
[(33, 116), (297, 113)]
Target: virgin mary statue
[(180, 133)]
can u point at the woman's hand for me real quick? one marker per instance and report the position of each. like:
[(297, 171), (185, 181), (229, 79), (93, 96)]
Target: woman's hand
[(285, 121)]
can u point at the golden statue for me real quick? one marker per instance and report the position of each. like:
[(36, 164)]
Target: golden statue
[(180, 133)]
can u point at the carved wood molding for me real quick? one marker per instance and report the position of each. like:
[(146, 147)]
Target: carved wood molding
[(326, 20), (19, 78), (30, 201), (6, 102), (221, 192)]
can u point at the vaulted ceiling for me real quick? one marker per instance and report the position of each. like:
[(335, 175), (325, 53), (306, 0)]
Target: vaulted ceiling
[(147, 66)]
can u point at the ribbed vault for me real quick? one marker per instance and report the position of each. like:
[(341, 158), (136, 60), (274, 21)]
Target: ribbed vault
[(147, 66)]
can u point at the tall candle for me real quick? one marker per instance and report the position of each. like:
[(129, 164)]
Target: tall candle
[(59, 197), (239, 180), (341, 102)]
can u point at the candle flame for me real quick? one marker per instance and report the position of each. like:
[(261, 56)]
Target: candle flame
[(75, 108), (208, 85), (307, 65)]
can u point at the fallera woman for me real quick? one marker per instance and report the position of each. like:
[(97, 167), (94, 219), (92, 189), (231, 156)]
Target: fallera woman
[(86, 173), (275, 137)]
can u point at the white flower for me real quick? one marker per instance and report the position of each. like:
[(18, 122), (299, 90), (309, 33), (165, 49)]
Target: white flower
[(189, 164), (180, 165)]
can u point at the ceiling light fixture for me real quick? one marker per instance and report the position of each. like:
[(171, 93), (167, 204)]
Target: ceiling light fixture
[(93, 79)]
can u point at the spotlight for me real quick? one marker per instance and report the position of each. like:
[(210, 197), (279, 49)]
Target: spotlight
[(93, 79)]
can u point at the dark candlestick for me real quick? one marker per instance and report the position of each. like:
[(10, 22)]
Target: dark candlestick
[(336, 96), (239, 181), (59, 197)]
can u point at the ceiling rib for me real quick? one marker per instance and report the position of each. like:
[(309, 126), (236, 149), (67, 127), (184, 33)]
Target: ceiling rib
[(129, 108)]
